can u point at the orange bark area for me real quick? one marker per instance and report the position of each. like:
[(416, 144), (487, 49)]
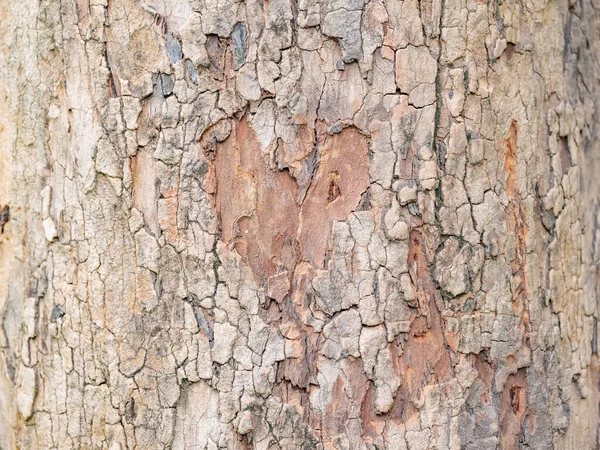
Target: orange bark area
[(260, 215), (513, 403), (514, 395), (342, 177), (426, 356), (516, 222), (515, 215), (258, 204)]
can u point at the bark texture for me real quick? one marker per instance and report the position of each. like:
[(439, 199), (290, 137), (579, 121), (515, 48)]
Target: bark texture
[(297, 224)]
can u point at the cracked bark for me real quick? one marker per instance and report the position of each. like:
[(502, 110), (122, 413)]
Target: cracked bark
[(299, 224)]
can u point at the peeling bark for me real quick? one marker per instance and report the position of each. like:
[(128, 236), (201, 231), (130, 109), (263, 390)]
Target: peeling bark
[(299, 224)]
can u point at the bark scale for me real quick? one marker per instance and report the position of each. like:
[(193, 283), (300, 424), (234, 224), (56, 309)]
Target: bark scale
[(337, 224)]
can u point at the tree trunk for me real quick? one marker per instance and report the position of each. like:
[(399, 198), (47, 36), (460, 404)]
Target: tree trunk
[(281, 224)]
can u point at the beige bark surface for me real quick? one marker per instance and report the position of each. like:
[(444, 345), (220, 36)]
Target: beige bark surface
[(298, 224)]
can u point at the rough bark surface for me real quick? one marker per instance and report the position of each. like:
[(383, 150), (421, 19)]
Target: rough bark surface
[(294, 224)]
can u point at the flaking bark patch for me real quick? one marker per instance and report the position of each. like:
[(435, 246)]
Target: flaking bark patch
[(513, 409), (426, 358), (342, 177), (258, 207), (516, 222), (189, 262)]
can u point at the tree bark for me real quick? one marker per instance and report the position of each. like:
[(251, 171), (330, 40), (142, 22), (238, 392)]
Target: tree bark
[(281, 224)]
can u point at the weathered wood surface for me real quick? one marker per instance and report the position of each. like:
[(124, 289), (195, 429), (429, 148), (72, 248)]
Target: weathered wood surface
[(294, 224)]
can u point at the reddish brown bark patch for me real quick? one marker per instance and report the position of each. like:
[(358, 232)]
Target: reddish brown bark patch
[(485, 371), (426, 357), (257, 204), (302, 341), (513, 404), (510, 160), (278, 286), (372, 423), (336, 189), (516, 223), (284, 242)]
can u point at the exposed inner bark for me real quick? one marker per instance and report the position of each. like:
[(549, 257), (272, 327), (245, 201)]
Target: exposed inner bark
[(299, 224)]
